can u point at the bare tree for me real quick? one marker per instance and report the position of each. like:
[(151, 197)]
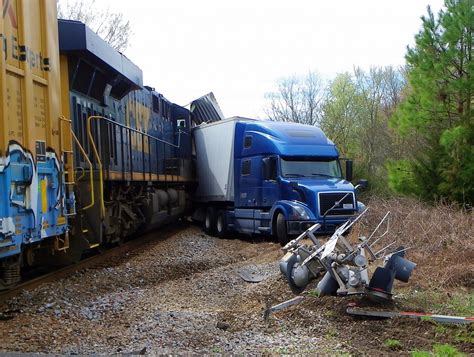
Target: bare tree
[(297, 99), (109, 25)]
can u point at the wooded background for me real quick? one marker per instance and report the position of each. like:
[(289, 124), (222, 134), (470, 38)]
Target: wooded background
[(410, 130)]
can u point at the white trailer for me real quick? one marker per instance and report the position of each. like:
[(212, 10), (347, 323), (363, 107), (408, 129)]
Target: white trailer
[(214, 145)]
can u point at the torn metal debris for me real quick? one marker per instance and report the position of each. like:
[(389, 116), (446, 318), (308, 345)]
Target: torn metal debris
[(444, 319), (283, 305), (345, 267)]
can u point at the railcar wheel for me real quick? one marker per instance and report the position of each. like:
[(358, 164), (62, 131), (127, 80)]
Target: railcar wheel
[(221, 224), (281, 233), (210, 221), (10, 272)]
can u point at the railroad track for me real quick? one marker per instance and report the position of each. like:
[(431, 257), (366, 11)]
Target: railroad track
[(99, 260)]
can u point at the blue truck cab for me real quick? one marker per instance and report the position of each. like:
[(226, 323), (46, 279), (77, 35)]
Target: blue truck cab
[(284, 176)]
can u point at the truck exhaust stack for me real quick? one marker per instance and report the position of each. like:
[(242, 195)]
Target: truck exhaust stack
[(345, 267)]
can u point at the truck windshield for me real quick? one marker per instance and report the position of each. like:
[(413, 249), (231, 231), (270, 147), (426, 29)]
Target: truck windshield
[(310, 168)]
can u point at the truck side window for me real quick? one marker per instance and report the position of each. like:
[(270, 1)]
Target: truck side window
[(247, 142), (270, 168), (246, 167)]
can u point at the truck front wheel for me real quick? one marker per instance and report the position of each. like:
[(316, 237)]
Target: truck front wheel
[(210, 221), (221, 224), (281, 233)]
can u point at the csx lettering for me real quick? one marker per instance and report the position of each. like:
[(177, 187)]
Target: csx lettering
[(23, 53)]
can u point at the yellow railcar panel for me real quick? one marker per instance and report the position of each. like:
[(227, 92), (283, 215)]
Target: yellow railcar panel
[(35, 48), (14, 102), (39, 111), (30, 97), (64, 70)]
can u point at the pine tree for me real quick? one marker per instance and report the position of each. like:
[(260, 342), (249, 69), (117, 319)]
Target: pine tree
[(437, 110)]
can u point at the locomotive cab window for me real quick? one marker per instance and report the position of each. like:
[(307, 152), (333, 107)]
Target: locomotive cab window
[(156, 104), (246, 167), (181, 123)]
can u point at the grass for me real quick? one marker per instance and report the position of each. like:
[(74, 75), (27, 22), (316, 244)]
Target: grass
[(440, 238), (331, 333), (459, 303), (459, 333), (421, 354), (313, 293), (445, 350), (393, 344)]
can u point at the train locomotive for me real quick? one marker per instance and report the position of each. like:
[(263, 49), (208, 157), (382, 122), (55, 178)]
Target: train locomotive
[(88, 155)]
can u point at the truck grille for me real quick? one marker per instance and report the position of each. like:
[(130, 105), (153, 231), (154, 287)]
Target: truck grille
[(346, 208)]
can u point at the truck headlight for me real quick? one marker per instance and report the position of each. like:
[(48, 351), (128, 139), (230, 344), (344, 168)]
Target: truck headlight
[(300, 212)]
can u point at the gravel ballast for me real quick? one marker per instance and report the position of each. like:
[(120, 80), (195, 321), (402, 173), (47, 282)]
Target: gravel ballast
[(185, 295)]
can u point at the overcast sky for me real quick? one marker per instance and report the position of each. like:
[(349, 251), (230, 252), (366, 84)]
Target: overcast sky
[(238, 49)]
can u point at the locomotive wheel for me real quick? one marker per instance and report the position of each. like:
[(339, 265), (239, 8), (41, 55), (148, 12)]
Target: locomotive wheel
[(221, 224), (281, 233), (210, 221)]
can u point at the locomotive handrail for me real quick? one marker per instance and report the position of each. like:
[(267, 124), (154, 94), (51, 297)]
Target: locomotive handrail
[(91, 172), (141, 132), (99, 163), (83, 173), (97, 156)]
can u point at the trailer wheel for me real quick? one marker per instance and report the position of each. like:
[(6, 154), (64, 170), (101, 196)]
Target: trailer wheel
[(221, 224), (281, 233), (210, 221)]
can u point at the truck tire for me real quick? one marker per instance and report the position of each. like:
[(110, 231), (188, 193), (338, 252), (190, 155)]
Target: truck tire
[(221, 224), (281, 233), (210, 221)]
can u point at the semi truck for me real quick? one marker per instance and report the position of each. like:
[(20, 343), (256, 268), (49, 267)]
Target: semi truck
[(267, 177)]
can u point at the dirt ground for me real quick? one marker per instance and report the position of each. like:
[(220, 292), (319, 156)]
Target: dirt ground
[(184, 295)]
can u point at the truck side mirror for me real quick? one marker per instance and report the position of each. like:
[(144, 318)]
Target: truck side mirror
[(349, 170), (363, 183)]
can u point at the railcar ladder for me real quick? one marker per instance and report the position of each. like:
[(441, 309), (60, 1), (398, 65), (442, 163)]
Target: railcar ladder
[(67, 156)]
